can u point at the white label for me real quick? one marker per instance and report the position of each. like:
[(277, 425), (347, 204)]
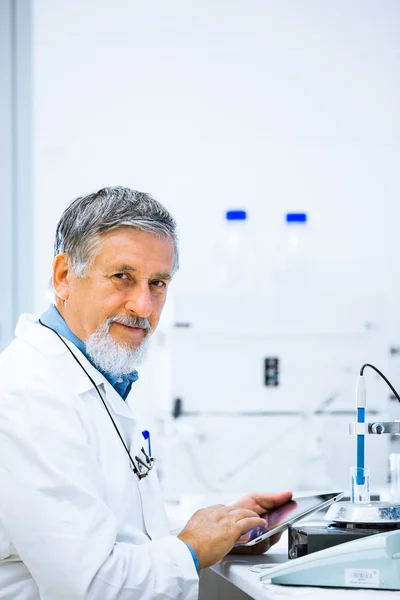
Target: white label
[(361, 578)]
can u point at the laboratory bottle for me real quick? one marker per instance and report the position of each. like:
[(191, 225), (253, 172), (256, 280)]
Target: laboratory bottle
[(236, 258), (291, 270)]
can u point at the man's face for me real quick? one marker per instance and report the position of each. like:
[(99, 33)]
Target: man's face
[(128, 278)]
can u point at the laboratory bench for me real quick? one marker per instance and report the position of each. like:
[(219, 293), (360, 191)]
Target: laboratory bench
[(232, 578)]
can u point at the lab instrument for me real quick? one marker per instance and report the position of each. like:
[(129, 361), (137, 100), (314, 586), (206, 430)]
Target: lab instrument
[(372, 562), (330, 555)]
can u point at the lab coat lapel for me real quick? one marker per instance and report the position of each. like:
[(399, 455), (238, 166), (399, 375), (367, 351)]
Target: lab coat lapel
[(69, 373), (83, 385)]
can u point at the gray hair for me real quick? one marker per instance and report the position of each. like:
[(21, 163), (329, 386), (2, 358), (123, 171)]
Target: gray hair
[(87, 217)]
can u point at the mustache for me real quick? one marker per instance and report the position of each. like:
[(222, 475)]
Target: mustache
[(129, 321)]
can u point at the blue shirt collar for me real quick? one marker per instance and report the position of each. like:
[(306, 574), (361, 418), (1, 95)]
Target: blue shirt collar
[(52, 318)]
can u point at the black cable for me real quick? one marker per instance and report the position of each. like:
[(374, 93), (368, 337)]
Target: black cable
[(134, 467), (383, 377)]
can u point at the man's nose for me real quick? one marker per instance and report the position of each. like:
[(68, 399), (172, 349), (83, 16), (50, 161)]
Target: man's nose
[(140, 302)]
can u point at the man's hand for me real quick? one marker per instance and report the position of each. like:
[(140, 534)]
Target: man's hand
[(212, 532), (261, 504)]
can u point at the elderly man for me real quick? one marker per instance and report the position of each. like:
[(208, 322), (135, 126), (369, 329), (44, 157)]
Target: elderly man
[(81, 514)]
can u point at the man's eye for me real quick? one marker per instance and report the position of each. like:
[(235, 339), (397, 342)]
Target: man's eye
[(121, 276), (158, 283)]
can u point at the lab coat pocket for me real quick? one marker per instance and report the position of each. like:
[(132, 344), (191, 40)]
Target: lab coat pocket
[(154, 513)]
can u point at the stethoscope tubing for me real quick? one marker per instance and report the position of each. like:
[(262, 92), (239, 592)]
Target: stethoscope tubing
[(133, 465)]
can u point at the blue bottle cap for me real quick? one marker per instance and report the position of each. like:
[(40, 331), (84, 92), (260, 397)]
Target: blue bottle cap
[(296, 218), (236, 215)]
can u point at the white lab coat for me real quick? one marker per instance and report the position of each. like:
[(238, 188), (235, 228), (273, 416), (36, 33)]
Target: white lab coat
[(75, 522)]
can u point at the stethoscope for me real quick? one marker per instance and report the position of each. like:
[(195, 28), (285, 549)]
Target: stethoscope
[(143, 465)]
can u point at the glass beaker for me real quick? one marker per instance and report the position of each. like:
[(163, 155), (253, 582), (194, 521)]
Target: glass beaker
[(360, 485)]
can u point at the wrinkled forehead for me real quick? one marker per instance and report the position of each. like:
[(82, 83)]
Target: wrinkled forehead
[(129, 249)]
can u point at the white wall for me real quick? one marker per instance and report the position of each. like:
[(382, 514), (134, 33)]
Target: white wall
[(273, 106), (262, 104)]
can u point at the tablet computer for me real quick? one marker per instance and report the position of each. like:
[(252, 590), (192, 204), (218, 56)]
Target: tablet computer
[(280, 518)]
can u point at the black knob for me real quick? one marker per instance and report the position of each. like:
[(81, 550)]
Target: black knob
[(177, 408)]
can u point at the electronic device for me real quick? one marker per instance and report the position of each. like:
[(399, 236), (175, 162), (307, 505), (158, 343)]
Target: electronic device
[(372, 562), (280, 518), (360, 547), (311, 537)]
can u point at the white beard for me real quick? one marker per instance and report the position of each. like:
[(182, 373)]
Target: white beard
[(111, 357)]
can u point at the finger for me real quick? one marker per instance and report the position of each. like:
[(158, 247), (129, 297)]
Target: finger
[(249, 549), (249, 502), (274, 539), (241, 513), (241, 549), (269, 501), (260, 510), (244, 525)]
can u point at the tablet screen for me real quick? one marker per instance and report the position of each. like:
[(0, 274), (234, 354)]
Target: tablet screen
[(280, 518)]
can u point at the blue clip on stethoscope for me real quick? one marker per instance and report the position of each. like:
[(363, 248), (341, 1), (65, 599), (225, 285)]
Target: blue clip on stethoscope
[(145, 462)]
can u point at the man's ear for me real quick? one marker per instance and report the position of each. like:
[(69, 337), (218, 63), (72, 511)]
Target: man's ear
[(61, 271)]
